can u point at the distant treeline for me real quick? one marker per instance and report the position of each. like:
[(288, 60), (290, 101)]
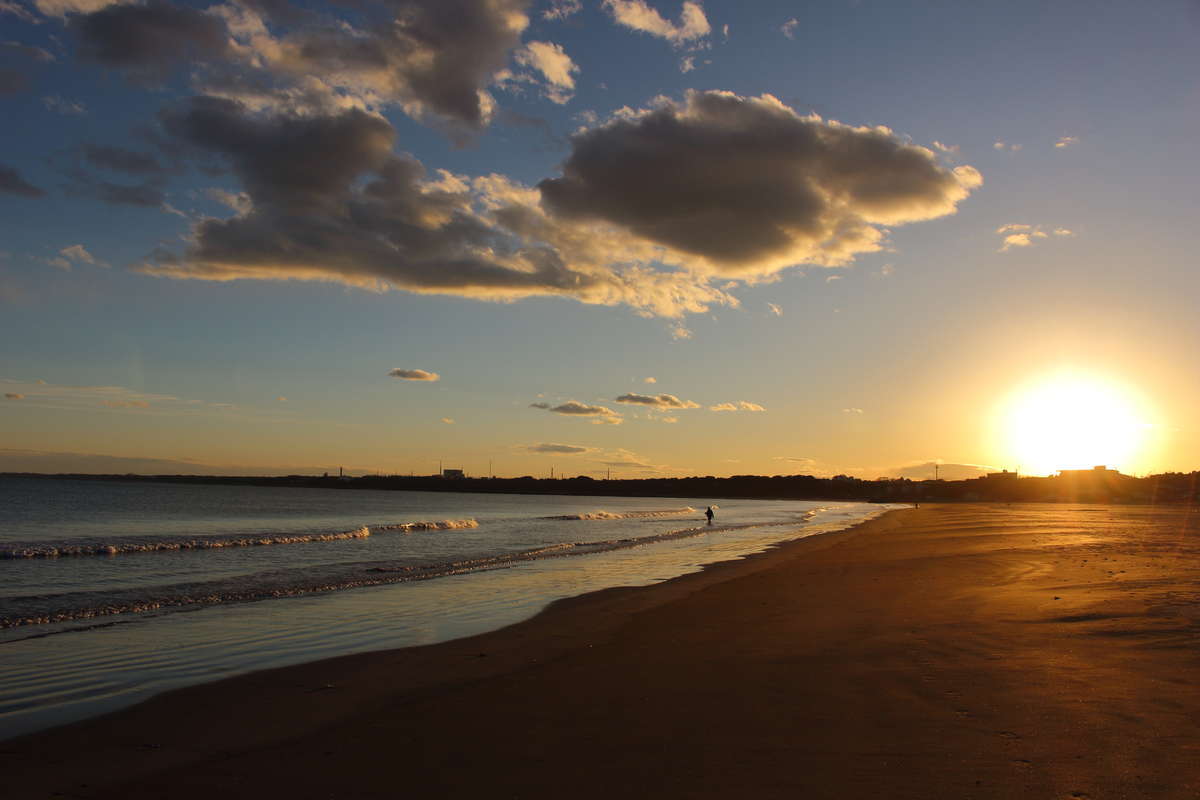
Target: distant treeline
[(1084, 486)]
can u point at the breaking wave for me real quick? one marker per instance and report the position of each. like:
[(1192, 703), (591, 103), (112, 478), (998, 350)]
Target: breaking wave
[(75, 606), (670, 512), (85, 547)]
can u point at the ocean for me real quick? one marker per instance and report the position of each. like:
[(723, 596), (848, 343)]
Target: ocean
[(112, 591)]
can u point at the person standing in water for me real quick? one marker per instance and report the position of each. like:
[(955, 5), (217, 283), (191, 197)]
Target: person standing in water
[(708, 512)]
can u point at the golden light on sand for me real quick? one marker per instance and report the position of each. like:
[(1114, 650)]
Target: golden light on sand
[(1072, 420)]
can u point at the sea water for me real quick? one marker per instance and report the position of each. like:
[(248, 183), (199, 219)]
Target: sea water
[(111, 591)]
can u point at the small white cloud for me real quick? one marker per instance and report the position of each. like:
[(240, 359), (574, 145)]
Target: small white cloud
[(637, 15), (281, 399), (556, 67), (1066, 141), (740, 405), (687, 64), (999, 145), (650, 380), (887, 270), (774, 309), (413, 374), (788, 28), (679, 332), (447, 421), (852, 411), (832, 278), (13, 396), (1019, 234), (725, 31), (73, 255), (949, 149)]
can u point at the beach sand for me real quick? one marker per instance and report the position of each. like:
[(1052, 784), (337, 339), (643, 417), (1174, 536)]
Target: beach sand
[(956, 651)]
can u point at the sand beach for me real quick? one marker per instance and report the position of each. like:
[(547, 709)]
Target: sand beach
[(986, 651)]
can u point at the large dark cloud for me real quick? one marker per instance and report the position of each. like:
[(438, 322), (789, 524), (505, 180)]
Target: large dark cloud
[(12, 182), (748, 184), (746, 188), (434, 57), (330, 201), (149, 40)]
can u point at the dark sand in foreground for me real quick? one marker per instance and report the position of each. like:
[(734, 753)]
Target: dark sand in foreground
[(945, 652)]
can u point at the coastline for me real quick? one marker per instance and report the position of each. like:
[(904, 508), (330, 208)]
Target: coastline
[(940, 651)]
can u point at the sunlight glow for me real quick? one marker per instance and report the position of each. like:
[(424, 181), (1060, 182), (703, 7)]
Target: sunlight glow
[(1071, 420)]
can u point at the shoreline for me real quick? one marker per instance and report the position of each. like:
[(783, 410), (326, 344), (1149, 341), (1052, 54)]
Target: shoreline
[(909, 655)]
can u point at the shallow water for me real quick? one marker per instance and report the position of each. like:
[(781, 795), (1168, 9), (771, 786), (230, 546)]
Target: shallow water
[(98, 575)]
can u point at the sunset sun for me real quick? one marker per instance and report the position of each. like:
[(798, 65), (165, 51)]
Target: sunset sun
[(1071, 420)]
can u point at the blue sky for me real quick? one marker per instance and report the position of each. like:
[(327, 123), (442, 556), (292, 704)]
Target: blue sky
[(863, 225)]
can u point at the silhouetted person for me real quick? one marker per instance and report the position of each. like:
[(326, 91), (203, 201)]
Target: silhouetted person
[(708, 512)]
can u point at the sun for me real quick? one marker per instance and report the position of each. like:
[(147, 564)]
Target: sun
[(1072, 420)]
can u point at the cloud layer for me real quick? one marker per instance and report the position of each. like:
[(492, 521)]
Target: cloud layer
[(653, 209)]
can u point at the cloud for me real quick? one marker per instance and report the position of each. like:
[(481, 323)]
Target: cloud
[(1018, 234), (641, 216), (950, 149), (559, 449), (561, 9), (148, 41), (61, 105), (788, 28), (63, 8), (1066, 141), (637, 15), (74, 255), (330, 201), (887, 270), (852, 411), (650, 380), (433, 58), (740, 405), (447, 421), (806, 190), (656, 401), (90, 398), (774, 309), (556, 67), (12, 182), (687, 64), (573, 408), (999, 145), (413, 374), (13, 396), (17, 10), (281, 399)]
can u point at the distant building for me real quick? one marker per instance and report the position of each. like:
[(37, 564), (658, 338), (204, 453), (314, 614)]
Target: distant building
[(453, 473), (1100, 471), (1002, 475)]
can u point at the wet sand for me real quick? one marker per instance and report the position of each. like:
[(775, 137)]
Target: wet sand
[(959, 651)]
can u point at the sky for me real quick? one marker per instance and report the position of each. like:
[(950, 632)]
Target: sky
[(600, 237)]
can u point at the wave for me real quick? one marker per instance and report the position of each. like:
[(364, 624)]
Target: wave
[(82, 547), (670, 512), (41, 610)]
